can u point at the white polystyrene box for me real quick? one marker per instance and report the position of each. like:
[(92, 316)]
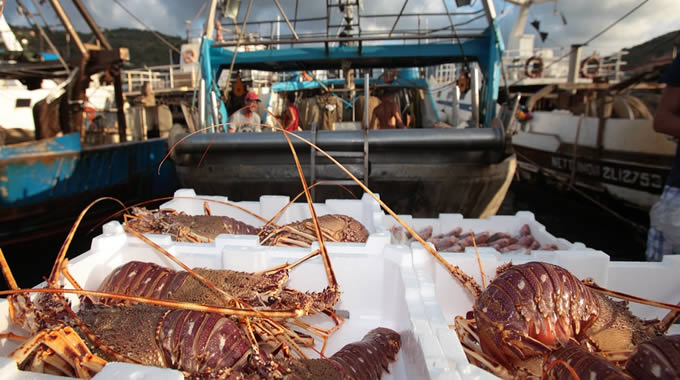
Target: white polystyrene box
[(379, 289), (510, 224), (445, 298)]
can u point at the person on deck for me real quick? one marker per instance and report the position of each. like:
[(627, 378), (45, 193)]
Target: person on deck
[(387, 113), (664, 229), (247, 118), (291, 117)]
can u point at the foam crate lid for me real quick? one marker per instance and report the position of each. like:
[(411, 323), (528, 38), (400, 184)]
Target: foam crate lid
[(447, 298), (510, 224), (374, 290), (366, 210)]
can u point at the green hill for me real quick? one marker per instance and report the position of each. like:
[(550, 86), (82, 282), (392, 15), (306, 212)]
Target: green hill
[(657, 47), (145, 48)]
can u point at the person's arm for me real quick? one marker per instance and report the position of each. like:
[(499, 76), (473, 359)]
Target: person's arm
[(373, 117), (397, 115), (667, 118), (231, 128), (292, 118)]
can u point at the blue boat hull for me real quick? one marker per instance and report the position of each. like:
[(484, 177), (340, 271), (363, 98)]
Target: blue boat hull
[(45, 185)]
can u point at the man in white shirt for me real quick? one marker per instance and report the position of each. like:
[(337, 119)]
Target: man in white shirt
[(246, 119)]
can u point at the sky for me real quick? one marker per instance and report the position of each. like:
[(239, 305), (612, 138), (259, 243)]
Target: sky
[(585, 18)]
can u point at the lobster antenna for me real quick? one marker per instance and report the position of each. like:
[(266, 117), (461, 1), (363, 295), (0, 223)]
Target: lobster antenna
[(9, 277), (479, 260), (332, 281), (629, 297), (54, 275), (239, 312), (468, 282), (278, 214)]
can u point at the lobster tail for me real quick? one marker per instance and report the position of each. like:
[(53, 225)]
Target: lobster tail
[(657, 358), (575, 360), (368, 358), (363, 360)]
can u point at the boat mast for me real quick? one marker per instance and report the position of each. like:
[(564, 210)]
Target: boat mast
[(521, 21), (8, 37), (492, 72)]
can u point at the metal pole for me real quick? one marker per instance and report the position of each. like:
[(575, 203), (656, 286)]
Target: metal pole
[(455, 106), (358, 38), (489, 11), (474, 97), (292, 29), (398, 17), (367, 95), (233, 58), (37, 8), (201, 104), (209, 28), (297, 2), (215, 112), (574, 61), (93, 25), (120, 104), (69, 28), (44, 36)]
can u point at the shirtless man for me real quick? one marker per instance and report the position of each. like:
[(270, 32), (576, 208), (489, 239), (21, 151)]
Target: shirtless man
[(387, 113)]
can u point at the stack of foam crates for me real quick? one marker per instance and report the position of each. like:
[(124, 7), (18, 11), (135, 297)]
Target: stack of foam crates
[(384, 282)]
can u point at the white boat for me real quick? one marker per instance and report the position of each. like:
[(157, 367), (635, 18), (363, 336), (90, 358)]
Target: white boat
[(586, 127)]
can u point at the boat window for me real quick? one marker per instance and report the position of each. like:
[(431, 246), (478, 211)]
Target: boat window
[(23, 102)]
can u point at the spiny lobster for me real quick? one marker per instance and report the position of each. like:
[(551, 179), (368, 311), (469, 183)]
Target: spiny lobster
[(656, 358), (200, 344), (204, 228), (530, 310)]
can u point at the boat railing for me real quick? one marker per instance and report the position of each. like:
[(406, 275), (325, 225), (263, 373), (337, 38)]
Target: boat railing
[(165, 77), (551, 65)]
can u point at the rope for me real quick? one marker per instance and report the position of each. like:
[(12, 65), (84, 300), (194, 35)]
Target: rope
[(238, 44), (639, 228)]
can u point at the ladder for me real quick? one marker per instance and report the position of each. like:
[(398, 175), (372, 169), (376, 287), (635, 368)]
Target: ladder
[(343, 157)]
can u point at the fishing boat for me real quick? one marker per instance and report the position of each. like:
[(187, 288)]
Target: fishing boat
[(585, 122), (50, 177), (422, 170)]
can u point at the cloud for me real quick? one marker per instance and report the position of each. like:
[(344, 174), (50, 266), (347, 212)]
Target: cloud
[(585, 18)]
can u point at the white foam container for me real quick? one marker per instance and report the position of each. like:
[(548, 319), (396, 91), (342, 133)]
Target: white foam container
[(445, 298), (379, 289), (366, 210), (510, 224)]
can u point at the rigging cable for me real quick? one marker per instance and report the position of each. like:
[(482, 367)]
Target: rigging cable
[(453, 28), (173, 48), (640, 228), (591, 39)]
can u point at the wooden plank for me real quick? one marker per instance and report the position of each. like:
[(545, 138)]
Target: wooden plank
[(189, 117)]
